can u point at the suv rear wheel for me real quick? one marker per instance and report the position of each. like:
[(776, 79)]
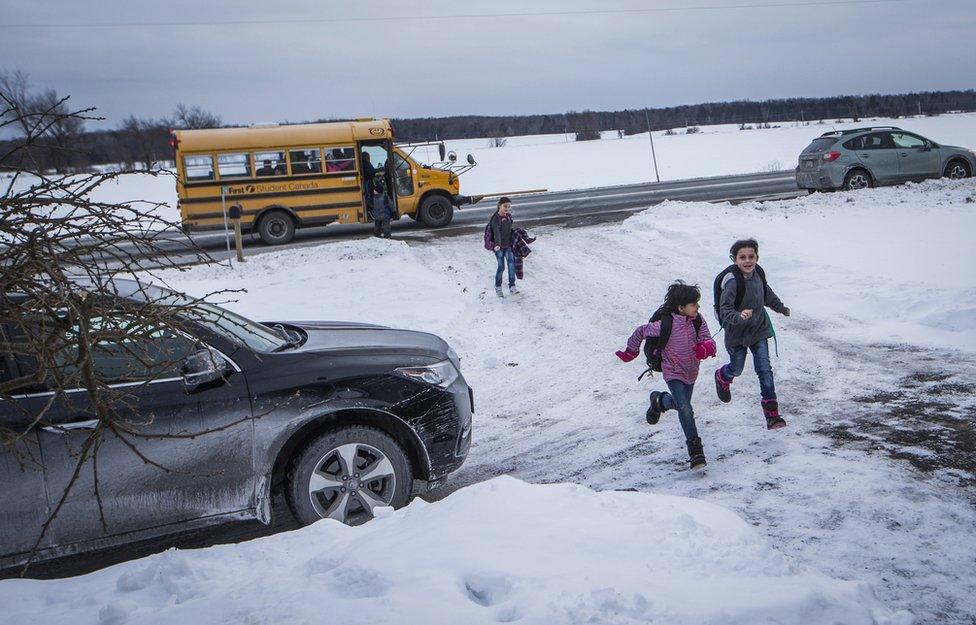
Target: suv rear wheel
[(345, 473), (276, 227), (956, 169), (857, 179)]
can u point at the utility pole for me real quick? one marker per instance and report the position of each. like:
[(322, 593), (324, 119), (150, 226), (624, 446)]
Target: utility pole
[(647, 120)]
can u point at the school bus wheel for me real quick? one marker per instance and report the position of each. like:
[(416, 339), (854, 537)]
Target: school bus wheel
[(276, 227), (436, 211)]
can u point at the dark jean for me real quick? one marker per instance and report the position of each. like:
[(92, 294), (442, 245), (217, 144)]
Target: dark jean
[(680, 399), (381, 227), (760, 359), (505, 255)]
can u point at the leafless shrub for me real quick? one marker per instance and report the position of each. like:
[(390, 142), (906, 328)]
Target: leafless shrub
[(63, 313), (193, 117)]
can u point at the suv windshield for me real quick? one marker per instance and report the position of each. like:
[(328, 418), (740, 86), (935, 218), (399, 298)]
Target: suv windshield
[(236, 328), (819, 145), (232, 326)]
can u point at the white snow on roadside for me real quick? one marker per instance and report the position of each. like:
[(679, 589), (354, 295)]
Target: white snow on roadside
[(499, 551)]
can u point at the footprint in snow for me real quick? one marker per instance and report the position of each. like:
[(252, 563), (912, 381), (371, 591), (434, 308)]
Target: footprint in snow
[(487, 589)]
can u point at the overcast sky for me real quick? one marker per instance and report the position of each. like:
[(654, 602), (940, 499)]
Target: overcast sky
[(477, 65)]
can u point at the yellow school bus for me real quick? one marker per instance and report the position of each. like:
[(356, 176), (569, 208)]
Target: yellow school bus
[(294, 176)]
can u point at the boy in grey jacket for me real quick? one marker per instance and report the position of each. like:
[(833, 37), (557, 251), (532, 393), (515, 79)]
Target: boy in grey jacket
[(741, 311)]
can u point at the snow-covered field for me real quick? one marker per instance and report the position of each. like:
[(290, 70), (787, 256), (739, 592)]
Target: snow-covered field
[(871, 481), (556, 162)]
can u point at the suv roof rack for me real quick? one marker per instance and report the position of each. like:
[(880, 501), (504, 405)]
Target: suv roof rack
[(853, 130)]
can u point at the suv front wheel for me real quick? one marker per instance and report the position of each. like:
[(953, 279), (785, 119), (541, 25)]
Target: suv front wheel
[(345, 473), (857, 179)]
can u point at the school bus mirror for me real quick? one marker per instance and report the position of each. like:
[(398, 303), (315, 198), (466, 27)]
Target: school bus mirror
[(452, 156), (234, 211), (442, 150), (471, 160)]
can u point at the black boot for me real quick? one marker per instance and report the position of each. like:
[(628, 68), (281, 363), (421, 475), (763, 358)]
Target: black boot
[(696, 455), (656, 408), (722, 388)]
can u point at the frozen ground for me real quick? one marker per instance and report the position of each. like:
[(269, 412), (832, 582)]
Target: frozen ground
[(874, 478), (500, 551)]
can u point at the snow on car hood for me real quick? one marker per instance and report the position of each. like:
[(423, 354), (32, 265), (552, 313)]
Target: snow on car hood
[(341, 337), (498, 551)]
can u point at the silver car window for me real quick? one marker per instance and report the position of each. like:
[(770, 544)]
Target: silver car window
[(878, 141), (905, 140)]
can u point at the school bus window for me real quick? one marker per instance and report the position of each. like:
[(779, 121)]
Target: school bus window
[(340, 159), (270, 163), (305, 161), (198, 167), (233, 166), (404, 178)]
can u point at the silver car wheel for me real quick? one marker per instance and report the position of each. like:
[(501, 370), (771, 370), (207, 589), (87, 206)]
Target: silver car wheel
[(858, 181), (957, 171), (349, 481)]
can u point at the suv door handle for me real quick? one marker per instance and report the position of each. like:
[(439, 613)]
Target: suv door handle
[(64, 428), (863, 155), (904, 153)]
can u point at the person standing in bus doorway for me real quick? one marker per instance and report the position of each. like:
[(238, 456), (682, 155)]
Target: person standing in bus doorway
[(382, 208), (368, 174), (500, 227)]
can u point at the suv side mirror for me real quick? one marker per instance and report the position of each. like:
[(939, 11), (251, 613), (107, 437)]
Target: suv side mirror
[(204, 368)]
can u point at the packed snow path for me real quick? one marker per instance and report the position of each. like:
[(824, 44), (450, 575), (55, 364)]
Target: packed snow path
[(863, 484)]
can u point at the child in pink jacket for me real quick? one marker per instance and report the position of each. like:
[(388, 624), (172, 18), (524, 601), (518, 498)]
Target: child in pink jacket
[(688, 343)]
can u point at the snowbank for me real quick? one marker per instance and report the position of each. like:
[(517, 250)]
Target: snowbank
[(499, 551), (894, 265)]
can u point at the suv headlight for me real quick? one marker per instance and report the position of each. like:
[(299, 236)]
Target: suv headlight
[(440, 374)]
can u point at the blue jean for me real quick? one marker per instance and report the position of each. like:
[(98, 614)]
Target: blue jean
[(503, 255), (680, 399), (760, 359)]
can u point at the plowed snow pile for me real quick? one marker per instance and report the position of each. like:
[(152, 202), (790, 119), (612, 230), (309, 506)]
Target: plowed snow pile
[(499, 551)]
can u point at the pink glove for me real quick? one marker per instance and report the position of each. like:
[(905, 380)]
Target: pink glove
[(705, 349), (626, 356)]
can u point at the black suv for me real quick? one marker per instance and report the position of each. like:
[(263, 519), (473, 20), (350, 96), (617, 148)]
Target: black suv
[(341, 417)]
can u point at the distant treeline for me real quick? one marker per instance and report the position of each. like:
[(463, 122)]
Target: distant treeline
[(632, 121), (143, 142)]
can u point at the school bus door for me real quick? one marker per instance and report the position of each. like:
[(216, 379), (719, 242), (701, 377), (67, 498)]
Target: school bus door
[(381, 158)]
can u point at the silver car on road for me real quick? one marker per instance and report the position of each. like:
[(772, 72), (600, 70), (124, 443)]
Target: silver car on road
[(866, 157)]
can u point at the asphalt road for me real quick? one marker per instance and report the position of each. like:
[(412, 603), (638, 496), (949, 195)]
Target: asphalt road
[(566, 208), (553, 208)]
